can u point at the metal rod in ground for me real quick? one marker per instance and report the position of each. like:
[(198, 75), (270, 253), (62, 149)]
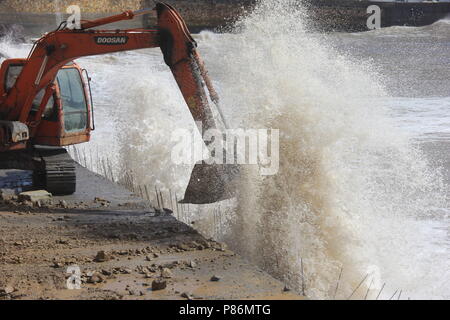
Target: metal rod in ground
[(213, 233), (176, 202), (130, 182), (393, 294), (171, 200), (105, 173), (182, 212), (338, 282), (221, 220), (98, 162), (77, 159), (217, 221), (379, 293), (400, 294), (72, 151), (133, 188), (111, 170), (303, 277), (162, 200), (368, 289), (125, 181), (359, 285), (91, 160), (85, 158), (157, 197), (146, 192)]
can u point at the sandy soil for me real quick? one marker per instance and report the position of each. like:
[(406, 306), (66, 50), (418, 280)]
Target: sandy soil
[(122, 248)]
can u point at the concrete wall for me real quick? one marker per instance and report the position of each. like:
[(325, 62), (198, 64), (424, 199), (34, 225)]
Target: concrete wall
[(205, 14), (37, 16), (51, 6), (350, 15), (36, 24)]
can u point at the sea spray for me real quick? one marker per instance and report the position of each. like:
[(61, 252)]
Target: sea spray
[(351, 187)]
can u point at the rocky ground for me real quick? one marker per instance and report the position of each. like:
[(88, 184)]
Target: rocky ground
[(122, 247)]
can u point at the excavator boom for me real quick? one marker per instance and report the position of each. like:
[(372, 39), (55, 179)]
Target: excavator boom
[(57, 48)]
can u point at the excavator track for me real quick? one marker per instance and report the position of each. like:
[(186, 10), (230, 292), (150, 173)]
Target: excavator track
[(57, 173)]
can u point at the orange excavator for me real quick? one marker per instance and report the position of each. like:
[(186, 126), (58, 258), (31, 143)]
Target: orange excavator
[(46, 103)]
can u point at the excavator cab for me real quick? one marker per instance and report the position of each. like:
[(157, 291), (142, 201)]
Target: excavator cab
[(67, 117)]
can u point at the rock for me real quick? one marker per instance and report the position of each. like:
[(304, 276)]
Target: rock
[(222, 247), (166, 273), (126, 271), (286, 289), (106, 272), (101, 257), (192, 264), (159, 284), (96, 277), (168, 211), (63, 204), (215, 278), (148, 258), (183, 247), (6, 290), (7, 194), (34, 196), (187, 295)]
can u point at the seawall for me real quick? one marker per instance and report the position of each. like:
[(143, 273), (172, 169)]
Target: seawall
[(37, 17)]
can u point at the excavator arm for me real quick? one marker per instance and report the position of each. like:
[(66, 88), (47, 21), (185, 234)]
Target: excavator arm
[(208, 183), (60, 47)]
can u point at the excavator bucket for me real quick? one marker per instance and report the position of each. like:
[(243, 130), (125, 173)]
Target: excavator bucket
[(209, 182)]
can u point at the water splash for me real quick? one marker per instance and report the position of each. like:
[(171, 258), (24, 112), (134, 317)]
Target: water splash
[(352, 189)]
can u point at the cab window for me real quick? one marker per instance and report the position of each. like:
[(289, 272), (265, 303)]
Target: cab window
[(73, 99), (11, 76), (49, 112)]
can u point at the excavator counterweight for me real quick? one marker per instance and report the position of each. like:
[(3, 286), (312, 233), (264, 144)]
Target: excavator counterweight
[(46, 104)]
